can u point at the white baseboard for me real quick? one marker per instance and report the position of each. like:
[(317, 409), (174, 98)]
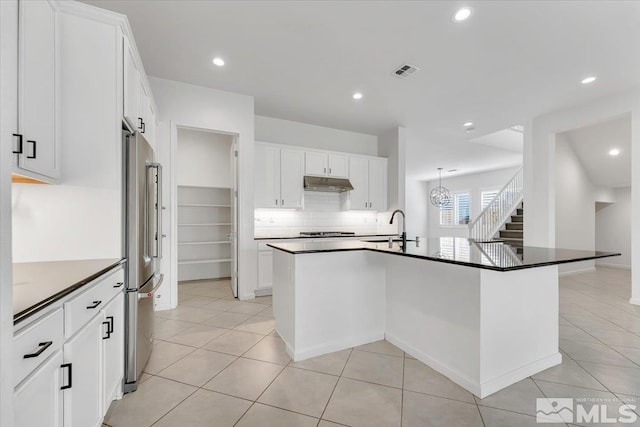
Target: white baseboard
[(462, 380), (163, 307), (497, 384), (334, 346), (475, 387), (635, 301), (574, 272)]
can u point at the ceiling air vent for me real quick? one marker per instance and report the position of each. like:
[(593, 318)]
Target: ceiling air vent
[(405, 71)]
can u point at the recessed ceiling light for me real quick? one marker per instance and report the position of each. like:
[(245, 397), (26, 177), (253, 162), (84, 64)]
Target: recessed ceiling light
[(614, 152), (218, 61), (588, 80), (357, 95), (462, 14), (467, 124)]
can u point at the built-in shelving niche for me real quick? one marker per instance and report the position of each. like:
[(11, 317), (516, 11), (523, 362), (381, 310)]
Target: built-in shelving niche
[(204, 228)]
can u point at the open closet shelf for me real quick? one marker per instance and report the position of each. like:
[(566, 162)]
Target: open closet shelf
[(213, 242), (204, 261), (205, 224), (202, 205)]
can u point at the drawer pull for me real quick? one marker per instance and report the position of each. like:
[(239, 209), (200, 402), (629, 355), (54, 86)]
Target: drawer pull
[(95, 304), (70, 383), (43, 346), (110, 326), (118, 285)]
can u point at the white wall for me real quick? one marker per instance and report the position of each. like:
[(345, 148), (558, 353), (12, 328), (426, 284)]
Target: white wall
[(185, 105), (203, 159), (539, 168), (575, 206), (417, 207), (81, 216), (613, 225), (280, 131), (475, 184)]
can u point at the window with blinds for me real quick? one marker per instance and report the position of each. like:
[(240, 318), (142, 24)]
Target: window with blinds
[(457, 211), (487, 197)]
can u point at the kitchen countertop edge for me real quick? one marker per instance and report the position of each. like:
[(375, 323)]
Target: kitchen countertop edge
[(24, 314), (325, 237), (445, 260)]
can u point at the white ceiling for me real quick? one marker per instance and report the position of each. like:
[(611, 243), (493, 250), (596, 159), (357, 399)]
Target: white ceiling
[(592, 144), (506, 139), (302, 61)]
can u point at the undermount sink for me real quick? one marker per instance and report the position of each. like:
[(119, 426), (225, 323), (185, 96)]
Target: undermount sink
[(386, 240)]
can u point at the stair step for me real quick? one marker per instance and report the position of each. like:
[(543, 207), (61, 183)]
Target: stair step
[(512, 242), (515, 234), (520, 211), (515, 225), (517, 218)]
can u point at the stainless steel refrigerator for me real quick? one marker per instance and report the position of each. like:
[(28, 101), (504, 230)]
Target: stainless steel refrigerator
[(143, 248)]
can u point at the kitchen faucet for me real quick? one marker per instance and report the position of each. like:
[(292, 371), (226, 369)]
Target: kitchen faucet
[(403, 236)]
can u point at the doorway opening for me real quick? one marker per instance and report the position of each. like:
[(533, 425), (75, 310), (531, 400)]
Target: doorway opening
[(207, 219)]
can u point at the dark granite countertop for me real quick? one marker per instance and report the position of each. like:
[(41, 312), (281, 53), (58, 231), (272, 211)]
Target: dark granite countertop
[(37, 285), (494, 255), (382, 236)]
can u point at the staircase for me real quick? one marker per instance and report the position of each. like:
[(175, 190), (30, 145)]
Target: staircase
[(503, 216), (512, 233)]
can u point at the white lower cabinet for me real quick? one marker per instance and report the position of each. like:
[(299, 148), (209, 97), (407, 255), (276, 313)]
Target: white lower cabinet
[(265, 269), (38, 399), (83, 356), (113, 350), (75, 385)]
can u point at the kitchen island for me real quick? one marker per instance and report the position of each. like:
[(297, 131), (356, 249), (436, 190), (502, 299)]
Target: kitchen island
[(483, 314)]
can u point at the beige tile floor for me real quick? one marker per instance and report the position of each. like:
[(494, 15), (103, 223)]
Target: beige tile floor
[(218, 362)]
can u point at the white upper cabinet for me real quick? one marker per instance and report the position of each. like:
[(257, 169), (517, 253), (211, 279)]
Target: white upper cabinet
[(291, 175), (378, 184), (278, 177), (369, 179), (36, 146), (338, 166), (315, 163), (131, 83), (318, 163), (359, 177), (267, 176)]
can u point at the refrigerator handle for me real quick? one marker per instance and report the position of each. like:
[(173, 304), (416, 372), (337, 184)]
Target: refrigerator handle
[(155, 236)]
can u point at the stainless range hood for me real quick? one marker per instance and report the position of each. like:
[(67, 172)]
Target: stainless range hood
[(328, 185)]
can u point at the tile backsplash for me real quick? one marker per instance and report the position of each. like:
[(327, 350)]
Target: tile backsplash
[(322, 212)]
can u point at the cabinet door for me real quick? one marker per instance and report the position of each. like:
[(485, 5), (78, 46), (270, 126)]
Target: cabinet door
[(267, 176), (143, 110), (38, 400), (315, 163), (265, 269), (113, 350), (291, 173), (131, 80), (378, 184), (37, 77), (359, 177), (338, 166), (83, 401)]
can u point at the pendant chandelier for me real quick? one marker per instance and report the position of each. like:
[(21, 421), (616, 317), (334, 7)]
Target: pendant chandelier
[(440, 196)]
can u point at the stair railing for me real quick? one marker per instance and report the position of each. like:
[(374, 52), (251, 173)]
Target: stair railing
[(496, 213)]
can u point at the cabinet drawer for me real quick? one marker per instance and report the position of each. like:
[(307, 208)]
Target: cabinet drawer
[(34, 343), (80, 309)]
